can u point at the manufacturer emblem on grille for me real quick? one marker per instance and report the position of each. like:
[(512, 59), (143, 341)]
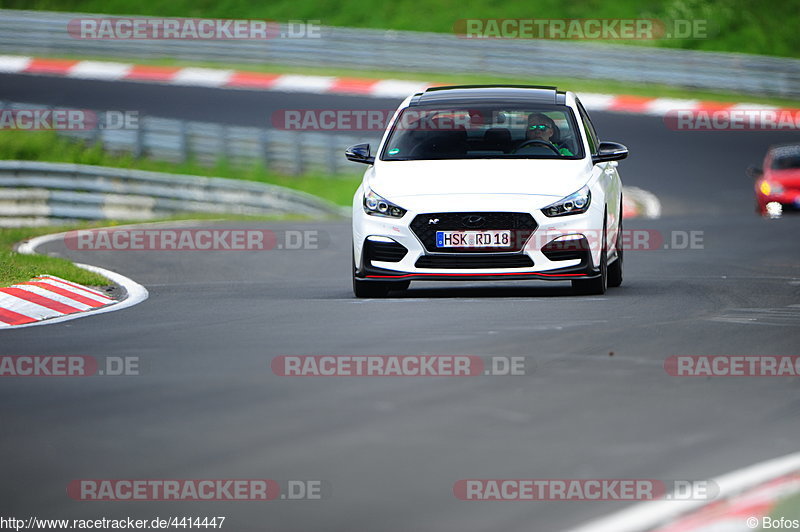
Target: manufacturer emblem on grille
[(474, 220), (433, 221)]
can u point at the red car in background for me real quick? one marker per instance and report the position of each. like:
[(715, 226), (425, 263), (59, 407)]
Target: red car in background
[(777, 184)]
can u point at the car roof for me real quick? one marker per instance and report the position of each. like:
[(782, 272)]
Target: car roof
[(785, 150), (476, 94)]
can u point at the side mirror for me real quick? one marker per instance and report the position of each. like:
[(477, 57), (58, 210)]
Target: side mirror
[(610, 151), (359, 154), (754, 172)]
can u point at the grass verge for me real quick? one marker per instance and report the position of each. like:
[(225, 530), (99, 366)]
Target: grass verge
[(788, 509), (17, 268), (749, 26)]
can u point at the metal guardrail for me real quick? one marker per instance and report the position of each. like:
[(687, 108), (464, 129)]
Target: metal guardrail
[(36, 193), (172, 140), (35, 32)]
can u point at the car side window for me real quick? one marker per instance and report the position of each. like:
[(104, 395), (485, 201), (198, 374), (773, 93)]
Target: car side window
[(588, 128)]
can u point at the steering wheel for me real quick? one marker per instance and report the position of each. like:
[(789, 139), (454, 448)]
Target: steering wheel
[(544, 143)]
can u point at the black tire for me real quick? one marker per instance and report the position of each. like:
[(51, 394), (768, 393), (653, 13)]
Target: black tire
[(598, 285), (616, 268), (399, 285), (370, 289), (375, 289)]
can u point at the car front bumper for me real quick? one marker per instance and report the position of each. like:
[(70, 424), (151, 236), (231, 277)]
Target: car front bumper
[(369, 228)]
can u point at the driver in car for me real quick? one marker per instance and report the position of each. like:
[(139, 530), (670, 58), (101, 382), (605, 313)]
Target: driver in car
[(542, 127)]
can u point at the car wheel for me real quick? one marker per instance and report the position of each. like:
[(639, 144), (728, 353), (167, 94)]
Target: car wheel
[(400, 286), (375, 289), (599, 284), (615, 269), (370, 289)]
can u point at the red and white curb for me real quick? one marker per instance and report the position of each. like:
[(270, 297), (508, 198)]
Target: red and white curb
[(48, 299), (757, 488), (745, 512), (377, 88), (208, 77)]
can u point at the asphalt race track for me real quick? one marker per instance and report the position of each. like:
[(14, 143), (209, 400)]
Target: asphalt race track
[(595, 403)]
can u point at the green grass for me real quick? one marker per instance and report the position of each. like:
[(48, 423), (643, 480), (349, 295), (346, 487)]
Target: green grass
[(749, 26), (17, 268), (788, 508), (48, 146)]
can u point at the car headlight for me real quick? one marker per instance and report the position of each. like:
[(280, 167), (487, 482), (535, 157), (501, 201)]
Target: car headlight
[(770, 189), (378, 206), (576, 203)]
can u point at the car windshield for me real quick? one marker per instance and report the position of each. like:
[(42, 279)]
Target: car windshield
[(484, 132), (786, 162)]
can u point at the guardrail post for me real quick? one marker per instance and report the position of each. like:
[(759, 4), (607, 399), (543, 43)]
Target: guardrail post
[(184, 141), (298, 154), (225, 133), (138, 146), (333, 167), (97, 131), (263, 136)]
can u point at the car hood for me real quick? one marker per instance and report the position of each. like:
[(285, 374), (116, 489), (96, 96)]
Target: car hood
[(788, 178), (542, 177)]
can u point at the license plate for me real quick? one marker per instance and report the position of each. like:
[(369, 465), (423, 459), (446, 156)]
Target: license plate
[(473, 239)]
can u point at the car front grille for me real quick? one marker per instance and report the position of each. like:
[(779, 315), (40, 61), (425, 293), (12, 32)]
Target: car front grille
[(474, 261), (425, 226)]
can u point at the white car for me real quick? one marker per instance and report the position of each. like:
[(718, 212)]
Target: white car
[(488, 183)]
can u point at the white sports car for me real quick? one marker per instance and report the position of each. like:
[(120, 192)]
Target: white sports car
[(488, 182)]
